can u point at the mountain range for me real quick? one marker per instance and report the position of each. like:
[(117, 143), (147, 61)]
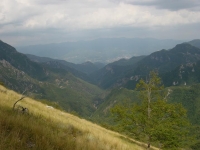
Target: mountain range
[(82, 88), (91, 89), (164, 61), (86, 67), (105, 50)]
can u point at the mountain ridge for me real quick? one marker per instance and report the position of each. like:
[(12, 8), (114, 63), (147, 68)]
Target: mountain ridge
[(195, 42), (86, 67), (99, 50), (163, 61)]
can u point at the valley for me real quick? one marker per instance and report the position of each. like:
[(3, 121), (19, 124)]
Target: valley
[(89, 90), (99, 75)]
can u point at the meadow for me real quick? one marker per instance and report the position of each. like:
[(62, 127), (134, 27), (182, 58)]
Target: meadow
[(47, 128)]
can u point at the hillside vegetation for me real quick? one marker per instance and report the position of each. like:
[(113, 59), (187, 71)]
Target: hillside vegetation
[(48, 128), (52, 81), (187, 96)]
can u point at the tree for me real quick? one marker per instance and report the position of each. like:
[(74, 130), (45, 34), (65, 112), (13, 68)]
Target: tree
[(154, 119)]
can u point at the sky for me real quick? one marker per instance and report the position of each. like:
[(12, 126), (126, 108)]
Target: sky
[(30, 22)]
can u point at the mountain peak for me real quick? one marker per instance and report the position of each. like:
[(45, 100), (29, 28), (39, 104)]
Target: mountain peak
[(182, 45), (185, 48), (6, 47), (20, 61), (195, 42)]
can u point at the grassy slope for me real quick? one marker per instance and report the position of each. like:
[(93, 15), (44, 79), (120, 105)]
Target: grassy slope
[(45, 128)]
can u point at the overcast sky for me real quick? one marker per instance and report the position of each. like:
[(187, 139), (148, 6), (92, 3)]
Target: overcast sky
[(28, 22)]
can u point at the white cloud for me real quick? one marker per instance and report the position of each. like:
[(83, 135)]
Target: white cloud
[(36, 16)]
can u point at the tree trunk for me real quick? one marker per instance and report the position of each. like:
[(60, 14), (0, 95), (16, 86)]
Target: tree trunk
[(148, 146), (149, 143), (149, 102)]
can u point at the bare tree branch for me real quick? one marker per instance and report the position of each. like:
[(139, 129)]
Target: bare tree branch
[(23, 109), (17, 102), (20, 98)]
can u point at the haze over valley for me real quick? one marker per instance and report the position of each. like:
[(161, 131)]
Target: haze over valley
[(105, 50)]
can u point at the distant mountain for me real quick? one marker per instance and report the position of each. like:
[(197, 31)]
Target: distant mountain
[(61, 65), (99, 50), (86, 67), (195, 43), (48, 80), (163, 61)]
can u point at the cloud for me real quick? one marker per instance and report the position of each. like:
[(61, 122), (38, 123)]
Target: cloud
[(166, 4), (72, 16), (77, 18)]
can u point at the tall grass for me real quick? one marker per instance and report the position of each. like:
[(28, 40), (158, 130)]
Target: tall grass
[(51, 129)]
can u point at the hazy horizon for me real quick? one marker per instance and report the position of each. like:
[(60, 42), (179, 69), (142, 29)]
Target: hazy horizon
[(100, 50), (36, 22)]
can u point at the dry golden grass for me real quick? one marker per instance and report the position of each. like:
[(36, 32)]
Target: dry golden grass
[(46, 128)]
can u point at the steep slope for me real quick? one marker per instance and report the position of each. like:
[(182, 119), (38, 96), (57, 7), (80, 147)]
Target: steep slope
[(16, 79), (48, 82), (186, 74), (21, 62), (47, 128)]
